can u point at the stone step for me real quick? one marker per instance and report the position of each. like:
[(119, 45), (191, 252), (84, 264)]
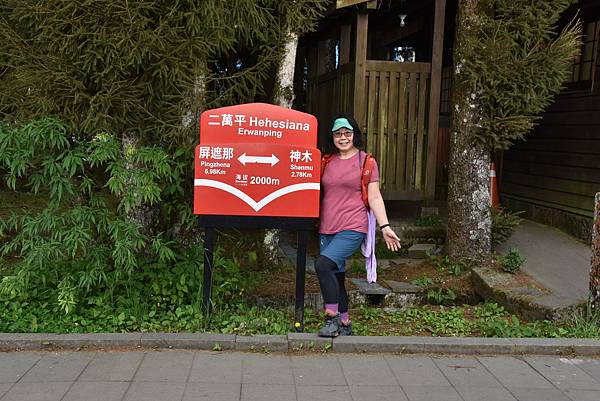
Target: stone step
[(404, 288), (427, 211), (437, 233), (421, 251), (366, 288)]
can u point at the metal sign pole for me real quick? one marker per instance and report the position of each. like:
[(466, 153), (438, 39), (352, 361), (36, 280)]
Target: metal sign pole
[(300, 276), (209, 243)]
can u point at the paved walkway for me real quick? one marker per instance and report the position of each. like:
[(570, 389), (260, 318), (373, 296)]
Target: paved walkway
[(203, 375), (555, 259)]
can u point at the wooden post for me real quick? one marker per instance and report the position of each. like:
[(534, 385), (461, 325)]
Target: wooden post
[(434, 98), (360, 63), (345, 40), (594, 297)]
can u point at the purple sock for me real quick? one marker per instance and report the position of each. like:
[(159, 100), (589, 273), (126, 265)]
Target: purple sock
[(345, 317), (331, 308)]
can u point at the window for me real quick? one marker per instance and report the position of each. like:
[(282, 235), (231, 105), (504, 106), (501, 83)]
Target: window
[(403, 54), (584, 65)]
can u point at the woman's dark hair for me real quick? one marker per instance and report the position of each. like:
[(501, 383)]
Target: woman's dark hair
[(356, 138)]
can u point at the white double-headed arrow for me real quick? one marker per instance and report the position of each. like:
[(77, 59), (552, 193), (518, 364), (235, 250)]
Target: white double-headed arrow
[(272, 160)]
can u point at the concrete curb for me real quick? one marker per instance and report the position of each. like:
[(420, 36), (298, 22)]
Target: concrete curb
[(303, 341)]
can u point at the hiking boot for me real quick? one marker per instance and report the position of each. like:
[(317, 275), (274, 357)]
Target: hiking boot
[(346, 329), (331, 328)]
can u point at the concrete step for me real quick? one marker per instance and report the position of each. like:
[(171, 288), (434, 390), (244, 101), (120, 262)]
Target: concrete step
[(421, 251)]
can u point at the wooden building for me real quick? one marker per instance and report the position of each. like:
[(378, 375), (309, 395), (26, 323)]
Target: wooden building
[(554, 174), (389, 63), (349, 67)]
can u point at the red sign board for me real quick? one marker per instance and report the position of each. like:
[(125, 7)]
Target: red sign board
[(258, 123), (258, 174)]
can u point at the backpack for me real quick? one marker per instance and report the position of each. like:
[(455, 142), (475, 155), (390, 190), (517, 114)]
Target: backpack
[(365, 173)]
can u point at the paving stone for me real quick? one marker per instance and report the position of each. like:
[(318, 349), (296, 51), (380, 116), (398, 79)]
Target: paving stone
[(262, 343), (365, 370), (112, 366), (591, 367), (327, 372), (583, 395), (538, 394), (514, 372), (96, 391), (37, 391), (329, 393), (487, 394), (21, 341), (212, 392), (263, 392), (416, 371), (14, 365), (172, 366), (4, 387), (563, 374), (155, 391), (377, 393), (421, 251), (431, 393), (307, 341), (267, 369), (216, 368), (366, 288), (405, 288), (64, 366), (466, 372)]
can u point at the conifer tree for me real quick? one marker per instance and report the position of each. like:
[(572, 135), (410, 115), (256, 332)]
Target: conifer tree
[(509, 62), (141, 69)]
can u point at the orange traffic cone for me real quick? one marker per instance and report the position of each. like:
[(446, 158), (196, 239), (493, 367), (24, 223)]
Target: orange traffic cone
[(494, 195)]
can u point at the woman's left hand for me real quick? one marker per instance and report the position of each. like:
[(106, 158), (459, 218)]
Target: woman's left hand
[(391, 239)]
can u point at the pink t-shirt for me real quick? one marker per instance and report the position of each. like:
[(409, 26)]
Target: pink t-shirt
[(342, 207)]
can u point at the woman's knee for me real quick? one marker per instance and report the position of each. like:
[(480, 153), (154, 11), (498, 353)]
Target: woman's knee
[(325, 265)]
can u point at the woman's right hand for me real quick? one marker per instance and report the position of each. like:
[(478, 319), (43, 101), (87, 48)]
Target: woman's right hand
[(391, 239)]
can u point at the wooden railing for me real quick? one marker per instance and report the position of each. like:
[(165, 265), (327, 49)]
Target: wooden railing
[(393, 115)]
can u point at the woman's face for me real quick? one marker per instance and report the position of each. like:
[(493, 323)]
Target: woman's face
[(343, 139)]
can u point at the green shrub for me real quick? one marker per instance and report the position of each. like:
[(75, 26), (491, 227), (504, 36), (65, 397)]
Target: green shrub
[(512, 261), (444, 263), (441, 296), (422, 282), (504, 224)]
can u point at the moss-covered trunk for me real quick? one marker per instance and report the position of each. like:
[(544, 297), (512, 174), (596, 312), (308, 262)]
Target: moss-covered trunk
[(469, 219)]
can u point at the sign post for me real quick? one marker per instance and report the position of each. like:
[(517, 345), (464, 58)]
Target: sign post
[(257, 166)]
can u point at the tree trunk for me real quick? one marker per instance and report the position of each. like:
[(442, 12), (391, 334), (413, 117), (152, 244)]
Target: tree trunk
[(594, 298), (142, 213), (284, 97), (469, 218), (284, 93)]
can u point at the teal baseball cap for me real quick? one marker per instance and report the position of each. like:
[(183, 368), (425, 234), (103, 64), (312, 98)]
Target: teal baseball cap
[(341, 123)]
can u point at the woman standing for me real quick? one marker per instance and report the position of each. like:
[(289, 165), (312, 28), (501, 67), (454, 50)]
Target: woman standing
[(344, 220)]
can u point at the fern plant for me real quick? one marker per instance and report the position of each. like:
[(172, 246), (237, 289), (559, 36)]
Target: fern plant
[(82, 240)]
